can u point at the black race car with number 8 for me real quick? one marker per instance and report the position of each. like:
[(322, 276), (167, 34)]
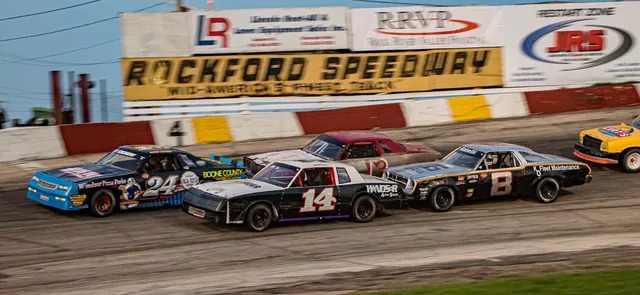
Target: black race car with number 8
[(478, 171), (291, 191)]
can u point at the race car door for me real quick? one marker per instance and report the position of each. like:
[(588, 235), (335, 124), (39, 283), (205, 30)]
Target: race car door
[(163, 175), (366, 157), (312, 194), (499, 175)]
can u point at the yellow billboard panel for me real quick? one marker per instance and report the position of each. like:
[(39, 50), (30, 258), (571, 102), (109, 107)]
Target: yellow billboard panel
[(309, 74)]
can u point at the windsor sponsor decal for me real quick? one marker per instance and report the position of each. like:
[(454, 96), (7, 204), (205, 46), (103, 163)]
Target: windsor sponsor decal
[(312, 74), (385, 190), (564, 44), (420, 27), (269, 30)]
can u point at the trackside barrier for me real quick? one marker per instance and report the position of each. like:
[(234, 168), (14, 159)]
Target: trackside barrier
[(28, 143)]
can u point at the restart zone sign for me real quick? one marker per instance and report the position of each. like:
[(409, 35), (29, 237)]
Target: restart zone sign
[(571, 44), (309, 74)]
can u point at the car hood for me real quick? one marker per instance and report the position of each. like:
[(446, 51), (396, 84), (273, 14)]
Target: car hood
[(611, 133), (87, 172), (298, 154), (234, 188), (421, 171)]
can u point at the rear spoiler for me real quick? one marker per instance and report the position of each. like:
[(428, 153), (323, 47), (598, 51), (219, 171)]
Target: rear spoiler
[(225, 160)]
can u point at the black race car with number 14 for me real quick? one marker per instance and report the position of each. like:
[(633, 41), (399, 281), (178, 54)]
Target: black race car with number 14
[(478, 171), (293, 190)]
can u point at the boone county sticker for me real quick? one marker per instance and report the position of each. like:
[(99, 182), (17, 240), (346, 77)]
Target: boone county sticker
[(189, 179)]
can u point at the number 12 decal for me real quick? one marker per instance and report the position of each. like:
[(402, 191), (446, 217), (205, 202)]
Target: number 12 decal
[(325, 201), (501, 183)]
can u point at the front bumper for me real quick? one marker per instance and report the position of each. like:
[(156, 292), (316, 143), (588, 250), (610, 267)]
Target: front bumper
[(206, 214), (56, 201), (594, 155)]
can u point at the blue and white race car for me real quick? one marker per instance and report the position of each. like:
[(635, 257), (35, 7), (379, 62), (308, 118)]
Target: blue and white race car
[(128, 177)]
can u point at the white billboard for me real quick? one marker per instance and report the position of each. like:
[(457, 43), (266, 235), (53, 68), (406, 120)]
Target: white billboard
[(559, 44), (156, 34), (423, 27), (269, 30)]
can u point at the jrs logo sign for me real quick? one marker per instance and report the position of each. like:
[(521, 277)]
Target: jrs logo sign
[(269, 30), (418, 27), (593, 44)]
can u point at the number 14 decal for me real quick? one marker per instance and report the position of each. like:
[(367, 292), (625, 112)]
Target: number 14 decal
[(325, 201)]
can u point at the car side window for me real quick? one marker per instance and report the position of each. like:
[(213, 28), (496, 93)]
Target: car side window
[(317, 177), (491, 161), (509, 160), (385, 147), (343, 176), (161, 163), (364, 150), (187, 161)]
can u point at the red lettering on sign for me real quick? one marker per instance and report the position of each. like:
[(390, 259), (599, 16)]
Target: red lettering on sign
[(222, 33), (580, 41)]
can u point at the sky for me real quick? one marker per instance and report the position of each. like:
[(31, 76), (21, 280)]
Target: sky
[(95, 49)]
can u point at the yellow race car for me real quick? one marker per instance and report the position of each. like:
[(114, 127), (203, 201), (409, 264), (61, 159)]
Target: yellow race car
[(612, 145)]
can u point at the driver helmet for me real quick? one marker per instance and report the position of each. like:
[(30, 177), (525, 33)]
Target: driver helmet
[(492, 159)]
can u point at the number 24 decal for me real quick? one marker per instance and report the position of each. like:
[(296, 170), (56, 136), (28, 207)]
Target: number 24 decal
[(501, 183), (156, 185), (325, 201)]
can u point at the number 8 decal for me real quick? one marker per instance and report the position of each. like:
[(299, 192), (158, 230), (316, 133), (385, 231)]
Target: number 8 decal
[(501, 183)]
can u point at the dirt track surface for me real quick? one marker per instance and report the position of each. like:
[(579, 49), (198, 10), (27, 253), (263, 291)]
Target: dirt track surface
[(165, 251)]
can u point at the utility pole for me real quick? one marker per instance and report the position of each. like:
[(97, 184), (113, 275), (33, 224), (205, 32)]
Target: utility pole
[(103, 99), (56, 96), (72, 96), (84, 97), (178, 5)]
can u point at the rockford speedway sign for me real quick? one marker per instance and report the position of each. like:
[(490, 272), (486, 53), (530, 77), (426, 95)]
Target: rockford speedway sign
[(309, 74), (423, 27), (564, 44)]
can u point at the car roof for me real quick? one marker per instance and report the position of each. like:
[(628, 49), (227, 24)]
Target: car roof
[(352, 136), (486, 147), (147, 149), (313, 163)]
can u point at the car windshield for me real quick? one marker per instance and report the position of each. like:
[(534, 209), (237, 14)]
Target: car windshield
[(325, 147), (636, 123), (277, 174), (464, 157), (121, 159)]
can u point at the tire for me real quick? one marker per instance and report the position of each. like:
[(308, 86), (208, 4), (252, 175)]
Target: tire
[(442, 199), (259, 217), (630, 161), (103, 203), (364, 209), (547, 190)]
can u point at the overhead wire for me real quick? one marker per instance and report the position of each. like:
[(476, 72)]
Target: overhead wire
[(24, 59), (49, 11), (75, 27)]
